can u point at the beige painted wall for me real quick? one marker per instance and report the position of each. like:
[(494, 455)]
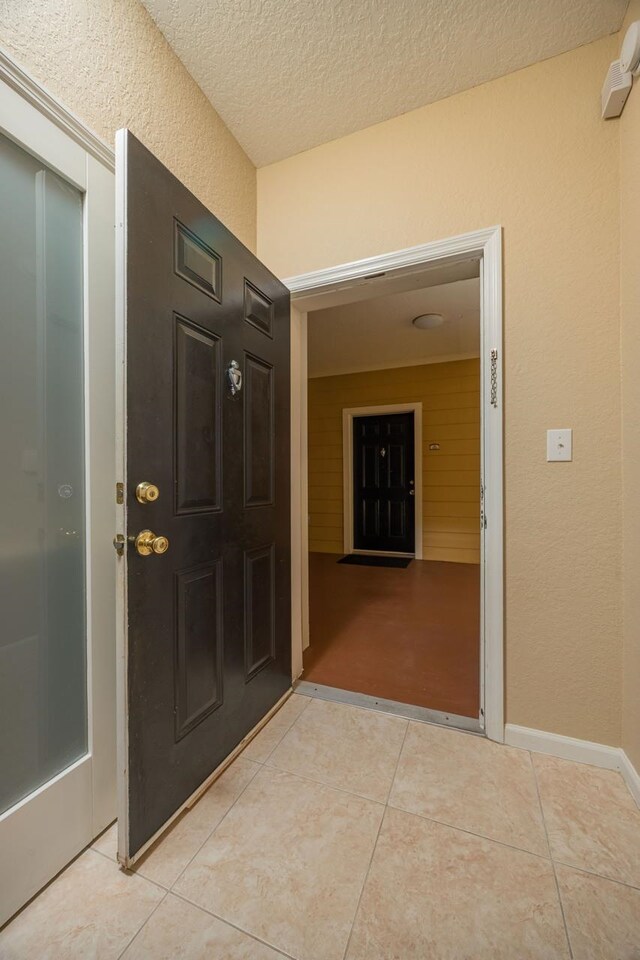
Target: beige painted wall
[(108, 63), (450, 397), (530, 152), (630, 354)]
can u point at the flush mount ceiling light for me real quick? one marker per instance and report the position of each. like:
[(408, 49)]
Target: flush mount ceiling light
[(427, 321)]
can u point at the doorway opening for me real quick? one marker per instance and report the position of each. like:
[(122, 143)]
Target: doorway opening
[(401, 483)]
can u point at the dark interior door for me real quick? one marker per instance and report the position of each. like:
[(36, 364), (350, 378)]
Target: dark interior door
[(208, 648), (384, 487)]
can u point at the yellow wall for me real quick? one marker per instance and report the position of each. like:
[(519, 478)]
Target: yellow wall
[(450, 397), (528, 151), (630, 353), (108, 63)]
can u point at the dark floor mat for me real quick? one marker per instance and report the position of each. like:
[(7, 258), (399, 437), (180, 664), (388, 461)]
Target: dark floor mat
[(365, 560)]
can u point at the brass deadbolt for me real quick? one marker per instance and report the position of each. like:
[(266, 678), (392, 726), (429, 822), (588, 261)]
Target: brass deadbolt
[(147, 492), (147, 543)]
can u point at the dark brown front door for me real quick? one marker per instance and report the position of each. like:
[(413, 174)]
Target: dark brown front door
[(208, 648), (383, 483)]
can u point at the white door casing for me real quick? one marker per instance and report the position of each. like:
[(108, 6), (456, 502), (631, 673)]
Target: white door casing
[(307, 292)]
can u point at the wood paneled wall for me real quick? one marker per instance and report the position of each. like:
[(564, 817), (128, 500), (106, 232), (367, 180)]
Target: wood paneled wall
[(450, 397)]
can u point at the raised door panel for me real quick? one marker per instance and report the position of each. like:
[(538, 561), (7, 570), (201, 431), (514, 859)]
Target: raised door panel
[(199, 645), (259, 580), (258, 309), (397, 519), (258, 433), (396, 463), (198, 440), (196, 262)]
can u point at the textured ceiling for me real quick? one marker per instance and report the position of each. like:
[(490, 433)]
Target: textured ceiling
[(378, 333), (287, 75)]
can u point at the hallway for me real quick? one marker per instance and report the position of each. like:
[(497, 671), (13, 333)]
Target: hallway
[(410, 635), (342, 832)]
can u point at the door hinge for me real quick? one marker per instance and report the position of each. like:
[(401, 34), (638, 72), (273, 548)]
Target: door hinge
[(119, 493), (483, 515)]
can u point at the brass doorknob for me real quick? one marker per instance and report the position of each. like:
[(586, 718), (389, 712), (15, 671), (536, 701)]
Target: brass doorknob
[(147, 543), (147, 492)]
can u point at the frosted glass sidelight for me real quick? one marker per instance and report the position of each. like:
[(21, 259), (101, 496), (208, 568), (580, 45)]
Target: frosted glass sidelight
[(43, 684)]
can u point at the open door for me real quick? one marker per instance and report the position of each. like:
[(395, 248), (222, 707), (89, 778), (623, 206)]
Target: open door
[(205, 650)]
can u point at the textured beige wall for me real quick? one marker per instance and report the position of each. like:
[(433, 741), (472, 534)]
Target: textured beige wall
[(450, 397), (530, 152), (108, 63), (630, 354)]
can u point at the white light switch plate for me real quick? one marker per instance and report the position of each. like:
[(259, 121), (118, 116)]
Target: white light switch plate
[(559, 445)]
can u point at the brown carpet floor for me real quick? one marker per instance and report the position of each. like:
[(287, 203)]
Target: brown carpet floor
[(409, 635)]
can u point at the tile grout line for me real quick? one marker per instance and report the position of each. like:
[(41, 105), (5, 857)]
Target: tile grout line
[(259, 763), (105, 855), (553, 865), (230, 923), (224, 817), (598, 876), (395, 769), (323, 783), (375, 844), (480, 836), (128, 871), (134, 872), (141, 928), (289, 728), (170, 890)]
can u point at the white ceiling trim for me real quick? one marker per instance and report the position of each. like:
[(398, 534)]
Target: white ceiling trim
[(39, 97)]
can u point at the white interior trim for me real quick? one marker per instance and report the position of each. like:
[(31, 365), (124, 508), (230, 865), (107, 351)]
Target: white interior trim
[(348, 414), (580, 751), (307, 291), (297, 642), (49, 106), (42, 833), (631, 776), (100, 425)]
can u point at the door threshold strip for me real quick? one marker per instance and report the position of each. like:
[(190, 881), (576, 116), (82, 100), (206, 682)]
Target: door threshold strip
[(408, 710)]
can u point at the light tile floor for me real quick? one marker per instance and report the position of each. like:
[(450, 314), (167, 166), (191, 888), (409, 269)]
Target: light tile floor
[(343, 833)]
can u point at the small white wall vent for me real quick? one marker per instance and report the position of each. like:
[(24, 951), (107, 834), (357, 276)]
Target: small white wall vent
[(615, 91)]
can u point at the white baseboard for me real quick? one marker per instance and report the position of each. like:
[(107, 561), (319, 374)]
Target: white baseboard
[(631, 776), (582, 751)]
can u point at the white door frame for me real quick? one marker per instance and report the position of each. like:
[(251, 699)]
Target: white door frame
[(307, 291), (348, 414), (46, 829)]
